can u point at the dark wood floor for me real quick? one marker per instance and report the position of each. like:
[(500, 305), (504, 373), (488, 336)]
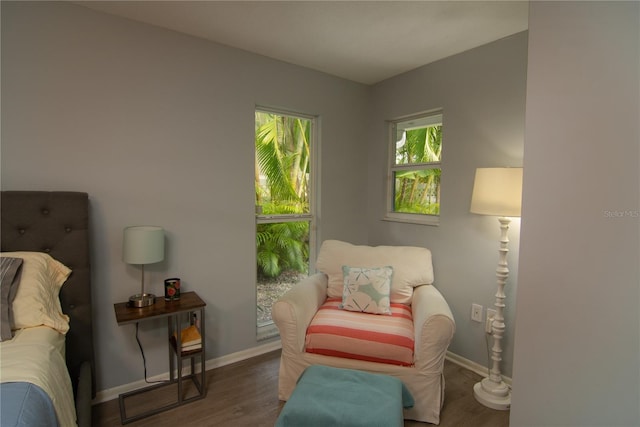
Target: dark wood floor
[(246, 394)]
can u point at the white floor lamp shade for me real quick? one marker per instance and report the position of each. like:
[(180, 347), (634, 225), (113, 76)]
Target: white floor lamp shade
[(142, 244), (498, 192)]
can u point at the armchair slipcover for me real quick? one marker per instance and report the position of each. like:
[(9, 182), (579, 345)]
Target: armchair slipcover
[(432, 322)]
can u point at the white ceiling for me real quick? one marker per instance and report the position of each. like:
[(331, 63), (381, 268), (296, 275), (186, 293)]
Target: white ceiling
[(363, 41)]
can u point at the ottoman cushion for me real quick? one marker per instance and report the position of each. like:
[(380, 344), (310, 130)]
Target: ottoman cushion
[(326, 396)]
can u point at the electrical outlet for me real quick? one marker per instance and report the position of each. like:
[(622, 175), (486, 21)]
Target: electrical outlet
[(476, 312), (491, 313)]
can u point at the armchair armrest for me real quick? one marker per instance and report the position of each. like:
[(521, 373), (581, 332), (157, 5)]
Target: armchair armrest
[(434, 327), (293, 312)]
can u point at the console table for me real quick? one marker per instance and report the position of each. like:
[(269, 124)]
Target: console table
[(178, 313)]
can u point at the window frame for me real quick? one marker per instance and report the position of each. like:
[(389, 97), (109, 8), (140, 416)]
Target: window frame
[(264, 332), (392, 167)]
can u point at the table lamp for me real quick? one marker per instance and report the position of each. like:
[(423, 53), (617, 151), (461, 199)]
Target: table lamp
[(143, 244), (498, 192)]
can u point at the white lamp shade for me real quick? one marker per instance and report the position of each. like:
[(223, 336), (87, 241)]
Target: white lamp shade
[(497, 191), (143, 244)]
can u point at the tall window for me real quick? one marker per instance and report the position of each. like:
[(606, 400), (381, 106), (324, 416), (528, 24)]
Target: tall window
[(284, 207), (415, 169)]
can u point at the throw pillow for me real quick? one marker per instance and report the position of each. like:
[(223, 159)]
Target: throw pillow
[(367, 289), (36, 302)]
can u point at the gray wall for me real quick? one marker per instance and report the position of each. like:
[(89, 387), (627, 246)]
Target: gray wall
[(158, 128), (482, 94), (577, 352)]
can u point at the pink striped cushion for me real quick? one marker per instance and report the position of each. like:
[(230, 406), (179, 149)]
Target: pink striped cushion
[(362, 336)]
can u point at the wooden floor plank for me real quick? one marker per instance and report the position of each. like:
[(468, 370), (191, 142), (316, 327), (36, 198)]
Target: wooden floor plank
[(246, 394)]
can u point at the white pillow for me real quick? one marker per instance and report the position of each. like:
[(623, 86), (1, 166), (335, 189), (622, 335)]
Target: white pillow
[(37, 302), (366, 290), (411, 266)]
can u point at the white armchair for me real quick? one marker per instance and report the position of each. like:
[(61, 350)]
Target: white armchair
[(433, 324)]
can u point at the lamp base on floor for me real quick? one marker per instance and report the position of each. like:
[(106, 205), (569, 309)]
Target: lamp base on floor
[(493, 395), (142, 300)]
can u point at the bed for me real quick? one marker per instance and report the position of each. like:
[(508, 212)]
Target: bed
[(38, 226)]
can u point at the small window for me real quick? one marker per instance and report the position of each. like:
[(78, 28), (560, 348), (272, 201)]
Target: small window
[(415, 169)]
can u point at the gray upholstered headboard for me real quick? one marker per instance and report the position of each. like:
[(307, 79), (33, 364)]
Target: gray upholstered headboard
[(57, 222)]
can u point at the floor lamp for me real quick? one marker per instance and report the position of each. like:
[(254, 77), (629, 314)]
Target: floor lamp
[(498, 192)]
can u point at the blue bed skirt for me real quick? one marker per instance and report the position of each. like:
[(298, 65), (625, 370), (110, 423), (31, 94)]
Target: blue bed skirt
[(25, 405), (335, 397)]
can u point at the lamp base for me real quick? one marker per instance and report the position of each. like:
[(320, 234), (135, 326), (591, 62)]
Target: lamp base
[(142, 300), (493, 395)]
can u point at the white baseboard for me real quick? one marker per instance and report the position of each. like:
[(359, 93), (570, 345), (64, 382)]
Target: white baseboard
[(472, 366), (113, 393), (243, 354)]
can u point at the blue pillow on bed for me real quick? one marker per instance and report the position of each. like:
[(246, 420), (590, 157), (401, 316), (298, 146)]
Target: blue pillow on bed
[(10, 269)]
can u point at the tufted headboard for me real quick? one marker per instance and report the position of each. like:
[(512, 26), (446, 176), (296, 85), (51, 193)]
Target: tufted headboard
[(57, 222)]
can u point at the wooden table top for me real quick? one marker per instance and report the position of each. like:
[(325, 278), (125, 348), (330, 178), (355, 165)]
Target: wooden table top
[(188, 301)]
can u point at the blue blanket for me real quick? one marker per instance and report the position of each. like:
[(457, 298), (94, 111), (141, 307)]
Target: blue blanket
[(334, 397), (26, 405)]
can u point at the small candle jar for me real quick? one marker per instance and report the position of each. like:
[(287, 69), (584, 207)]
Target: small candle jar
[(172, 289)]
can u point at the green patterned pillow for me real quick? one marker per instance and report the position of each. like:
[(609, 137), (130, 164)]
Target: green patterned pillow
[(367, 289)]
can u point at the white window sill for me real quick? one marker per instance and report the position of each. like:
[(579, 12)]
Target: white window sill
[(432, 220)]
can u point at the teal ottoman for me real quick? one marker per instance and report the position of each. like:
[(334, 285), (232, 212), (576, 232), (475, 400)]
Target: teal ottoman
[(336, 397)]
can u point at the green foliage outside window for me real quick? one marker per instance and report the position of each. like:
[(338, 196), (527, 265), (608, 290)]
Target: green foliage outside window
[(417, 189), (281, 183), (282, 246)]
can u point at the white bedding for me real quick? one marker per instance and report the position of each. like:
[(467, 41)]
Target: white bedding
[(36, 355)]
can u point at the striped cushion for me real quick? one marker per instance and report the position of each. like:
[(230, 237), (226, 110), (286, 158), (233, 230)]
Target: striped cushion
[(362, 336)]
